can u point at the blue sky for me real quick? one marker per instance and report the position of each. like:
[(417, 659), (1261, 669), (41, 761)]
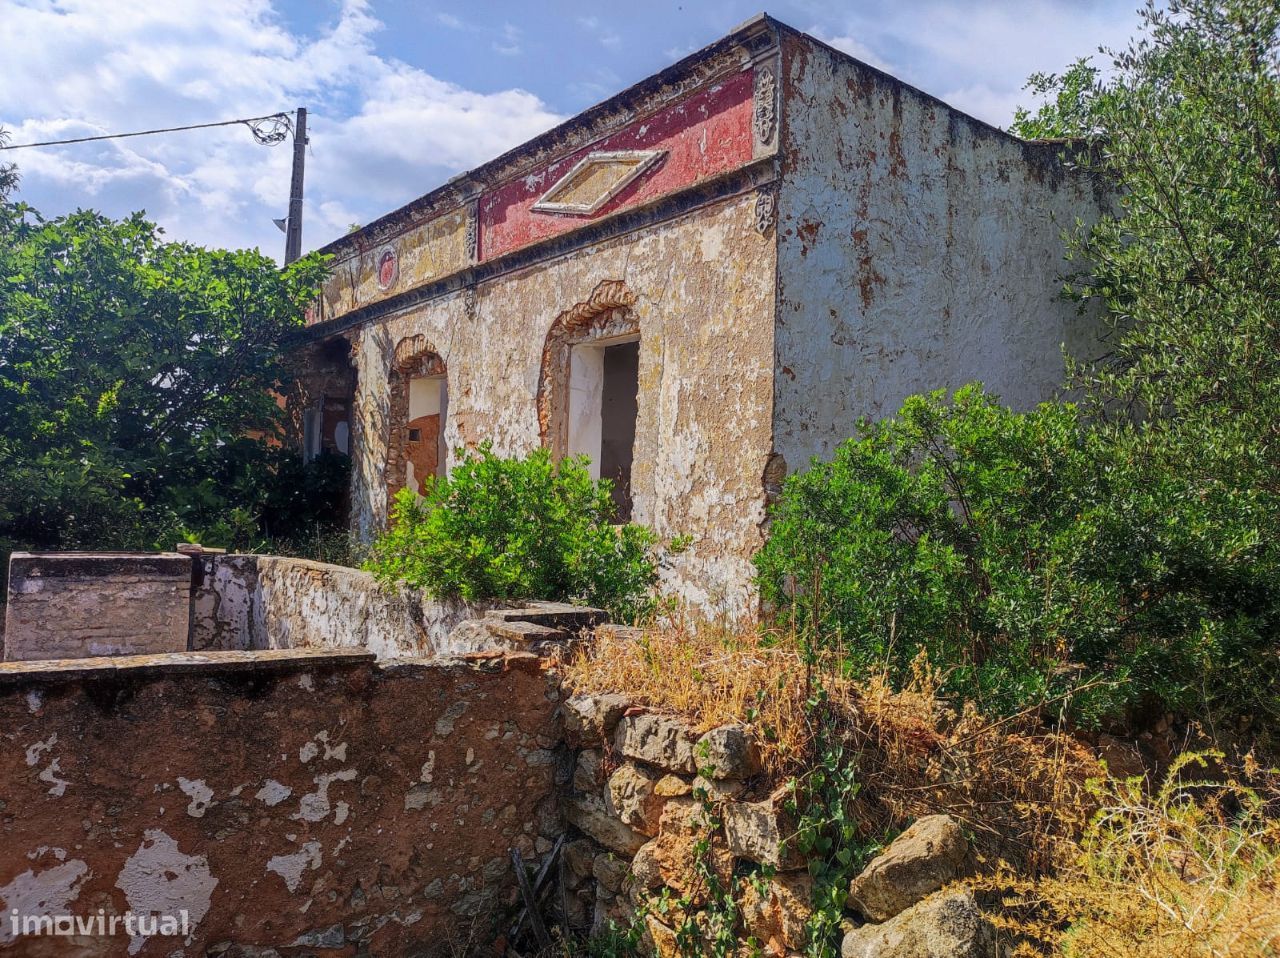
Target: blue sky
[(403, 95)]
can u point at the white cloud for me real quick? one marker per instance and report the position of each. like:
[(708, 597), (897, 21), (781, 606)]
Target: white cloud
[(508, 44), (381, 131), (854, 47)]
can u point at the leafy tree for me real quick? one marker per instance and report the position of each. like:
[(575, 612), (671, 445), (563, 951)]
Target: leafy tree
[(133, 374), (1186, 124), (518, 528)]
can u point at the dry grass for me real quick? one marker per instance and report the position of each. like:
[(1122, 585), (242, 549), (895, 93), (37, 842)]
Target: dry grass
[(711, 676), (1020, 790), (1089, 867), (1192, 870)]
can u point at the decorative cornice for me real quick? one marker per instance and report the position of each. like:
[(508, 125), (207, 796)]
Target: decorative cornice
[(726, 56), (758, 173)]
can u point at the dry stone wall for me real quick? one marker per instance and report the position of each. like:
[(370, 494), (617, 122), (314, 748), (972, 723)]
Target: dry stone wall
[(654, 806)]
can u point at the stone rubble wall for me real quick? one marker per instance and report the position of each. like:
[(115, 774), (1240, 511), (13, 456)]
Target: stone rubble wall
[(294, 803), (637, 802)]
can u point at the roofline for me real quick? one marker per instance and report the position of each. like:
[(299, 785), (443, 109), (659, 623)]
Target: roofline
[(464, 186)]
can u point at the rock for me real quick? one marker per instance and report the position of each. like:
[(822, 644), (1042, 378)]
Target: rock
[(591, 719), (579, 855), (718, 789), (631, 798), (588, 813), (1124, 759), (682, 828), (777, 913), (672, 786), (658, 740), (578, 910), (728, 752), (948, 925), (645, 871), (610, 910), (758, 831), (662, 940), (917, 863), (588, 772), (610, 871)]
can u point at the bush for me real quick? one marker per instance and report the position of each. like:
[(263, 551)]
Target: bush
[(523, 529), (1031, 555), (1189, 869)]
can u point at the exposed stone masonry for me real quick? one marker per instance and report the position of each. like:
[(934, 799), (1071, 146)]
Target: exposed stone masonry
[(637, 799)]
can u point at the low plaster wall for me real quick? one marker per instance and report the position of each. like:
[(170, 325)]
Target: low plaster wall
[(272, 602), (293, 803)]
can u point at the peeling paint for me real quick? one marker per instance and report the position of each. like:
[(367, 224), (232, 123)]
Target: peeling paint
[(919, 249), (315, 806), (290, 867), (706, 346), (273, 793), (159, 879), (201, 796), (36, 749), (49, 891)]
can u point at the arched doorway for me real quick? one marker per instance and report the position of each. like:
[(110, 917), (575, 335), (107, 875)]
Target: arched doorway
[(419, 406), (588, 386)]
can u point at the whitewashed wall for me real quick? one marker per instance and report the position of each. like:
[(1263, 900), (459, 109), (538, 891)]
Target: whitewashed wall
[(918, 249)]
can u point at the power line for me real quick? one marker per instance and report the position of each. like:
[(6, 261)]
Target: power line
[(279, 128)]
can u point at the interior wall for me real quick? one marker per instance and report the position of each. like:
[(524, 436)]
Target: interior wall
[(426, 455), (586, 394)]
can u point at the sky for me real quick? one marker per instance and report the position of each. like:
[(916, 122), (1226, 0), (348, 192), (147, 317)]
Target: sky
[(403, 95)]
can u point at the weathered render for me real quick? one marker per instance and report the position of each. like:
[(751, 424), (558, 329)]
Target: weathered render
[(289, 803), (247, 602), (918, 249), (795, 241)]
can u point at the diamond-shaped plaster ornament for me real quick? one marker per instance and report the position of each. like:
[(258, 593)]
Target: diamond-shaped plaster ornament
[(595, 180)]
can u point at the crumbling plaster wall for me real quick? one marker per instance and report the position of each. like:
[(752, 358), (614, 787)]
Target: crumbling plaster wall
[(918, 249), (274, 602), (304, 802), (704, 300)]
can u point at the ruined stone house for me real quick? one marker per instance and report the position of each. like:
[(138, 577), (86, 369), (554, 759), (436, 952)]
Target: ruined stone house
[(701, 283)]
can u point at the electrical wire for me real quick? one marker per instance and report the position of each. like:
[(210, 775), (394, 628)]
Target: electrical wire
[(280, 127)]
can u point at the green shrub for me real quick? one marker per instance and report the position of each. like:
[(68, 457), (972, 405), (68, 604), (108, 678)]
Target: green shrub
[(1030, 554), (519, 528)]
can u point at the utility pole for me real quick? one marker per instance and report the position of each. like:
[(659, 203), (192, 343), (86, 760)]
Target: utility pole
[(293, 226)]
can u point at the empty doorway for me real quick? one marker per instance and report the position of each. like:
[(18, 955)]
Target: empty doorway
[(424, 452), (604, 381)]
